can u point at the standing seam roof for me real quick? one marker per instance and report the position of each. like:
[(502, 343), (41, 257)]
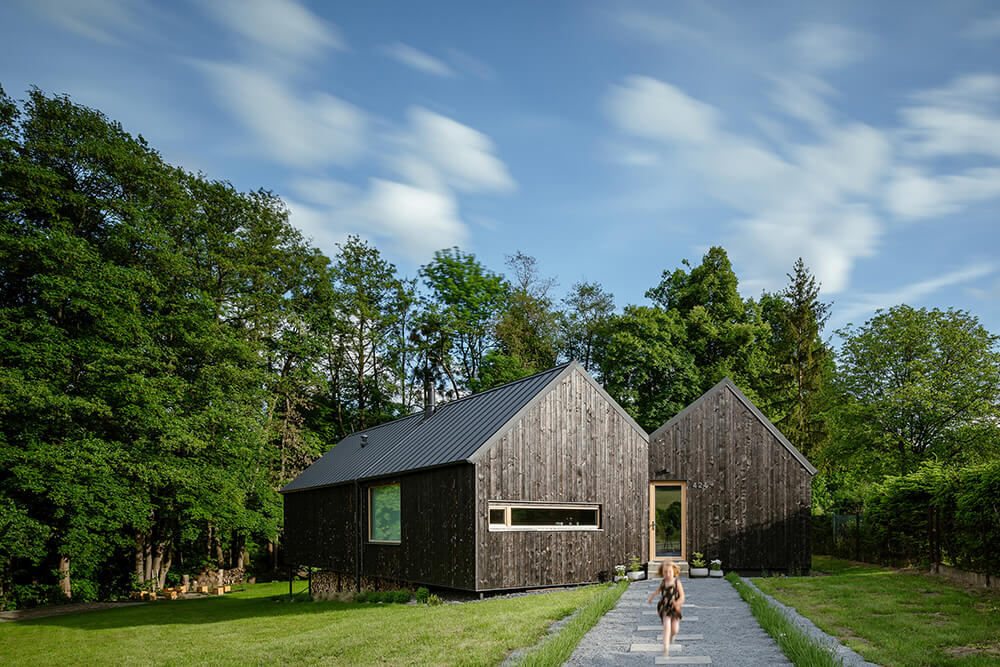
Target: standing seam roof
[(451, 435)]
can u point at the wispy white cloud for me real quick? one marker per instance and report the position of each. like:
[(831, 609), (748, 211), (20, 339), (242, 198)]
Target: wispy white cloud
[(913, 193), (811, 200), (436, 158), (984, 28), (296, 130), (418, 60), (959, 119), (440, 150), (828, 46), (99, 20), (912, 293), (278, 27)]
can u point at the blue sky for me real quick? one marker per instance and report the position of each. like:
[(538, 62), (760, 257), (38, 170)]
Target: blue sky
[(608, 140)]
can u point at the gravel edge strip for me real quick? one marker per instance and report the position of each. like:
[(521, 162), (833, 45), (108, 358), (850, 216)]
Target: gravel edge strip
[(848, 655)]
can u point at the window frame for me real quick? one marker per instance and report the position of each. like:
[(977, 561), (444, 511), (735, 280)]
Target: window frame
[(507, 506), (371, 512)]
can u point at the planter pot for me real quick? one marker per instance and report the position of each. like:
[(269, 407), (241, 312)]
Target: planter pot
[(698, 572), (636, 576), (715, 573), (621, 578)]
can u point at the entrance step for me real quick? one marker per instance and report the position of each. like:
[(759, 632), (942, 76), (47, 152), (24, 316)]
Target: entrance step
[(653, 568), (686, 618)]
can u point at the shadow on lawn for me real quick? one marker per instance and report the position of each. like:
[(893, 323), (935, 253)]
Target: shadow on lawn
[(195, 612)]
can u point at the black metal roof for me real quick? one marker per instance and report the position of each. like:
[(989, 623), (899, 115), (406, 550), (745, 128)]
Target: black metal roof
[(452, 434)]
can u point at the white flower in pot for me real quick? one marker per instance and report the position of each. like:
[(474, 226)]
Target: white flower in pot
[(620, 572), (716, 568)]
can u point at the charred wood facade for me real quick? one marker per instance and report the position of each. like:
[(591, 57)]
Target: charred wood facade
[(748, 490), (572, 446)]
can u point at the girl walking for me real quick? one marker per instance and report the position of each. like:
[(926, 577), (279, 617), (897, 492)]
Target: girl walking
[(669, 606)]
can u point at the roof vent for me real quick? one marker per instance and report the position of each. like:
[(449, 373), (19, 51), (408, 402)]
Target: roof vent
[(364, 439), (428, 398)]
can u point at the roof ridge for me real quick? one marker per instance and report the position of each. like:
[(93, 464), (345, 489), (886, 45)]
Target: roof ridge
[(559, 367)]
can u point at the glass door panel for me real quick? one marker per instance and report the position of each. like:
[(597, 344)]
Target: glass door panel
[(667, 516)]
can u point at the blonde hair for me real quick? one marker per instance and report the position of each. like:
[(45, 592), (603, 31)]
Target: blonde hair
[(665, 563)]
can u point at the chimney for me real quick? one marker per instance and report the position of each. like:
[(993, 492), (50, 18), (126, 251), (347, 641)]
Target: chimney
[(364, 439), (428, 397)]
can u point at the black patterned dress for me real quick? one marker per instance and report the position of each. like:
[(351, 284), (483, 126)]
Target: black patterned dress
[(665, 607)]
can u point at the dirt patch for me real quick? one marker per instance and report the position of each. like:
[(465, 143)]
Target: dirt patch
[(60, 610), (974, 650)]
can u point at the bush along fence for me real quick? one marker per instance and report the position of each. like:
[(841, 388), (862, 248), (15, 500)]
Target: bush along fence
[(933, 515)]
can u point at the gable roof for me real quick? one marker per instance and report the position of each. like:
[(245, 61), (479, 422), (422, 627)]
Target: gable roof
[(727, 383), (454, 432), (458, 431)]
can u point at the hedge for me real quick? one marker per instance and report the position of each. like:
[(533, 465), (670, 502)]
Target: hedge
[(932, 515)]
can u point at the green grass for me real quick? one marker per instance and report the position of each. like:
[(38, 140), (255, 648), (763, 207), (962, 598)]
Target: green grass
[(797, 646), (895, 618), (250, 627), (558, 648)]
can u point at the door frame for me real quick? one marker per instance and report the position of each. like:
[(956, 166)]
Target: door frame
[(652, 517)]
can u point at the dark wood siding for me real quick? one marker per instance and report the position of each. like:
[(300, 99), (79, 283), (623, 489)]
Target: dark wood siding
[(748, 497), (437, 545), (319, 528), (572, 446)]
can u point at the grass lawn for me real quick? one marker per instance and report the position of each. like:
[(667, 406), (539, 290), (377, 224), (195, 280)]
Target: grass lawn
[(250, 627), (893, 617)]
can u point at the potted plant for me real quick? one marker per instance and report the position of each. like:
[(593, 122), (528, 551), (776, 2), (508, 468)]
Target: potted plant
[(634, 569), (716, 568), (698, 565), (620, 573)]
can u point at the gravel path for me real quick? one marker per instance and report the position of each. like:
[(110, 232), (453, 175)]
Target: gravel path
[(717, 629), (850, 658)]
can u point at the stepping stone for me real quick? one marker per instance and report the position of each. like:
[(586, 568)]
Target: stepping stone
[(653, 648), (684, 660), (686, 618)]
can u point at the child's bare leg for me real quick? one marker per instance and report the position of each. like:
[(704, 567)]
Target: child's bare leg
[(666, 636), (675, 626)]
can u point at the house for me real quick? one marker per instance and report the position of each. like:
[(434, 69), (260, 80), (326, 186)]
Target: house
[(724, 481), (537, 482), (548, 481)]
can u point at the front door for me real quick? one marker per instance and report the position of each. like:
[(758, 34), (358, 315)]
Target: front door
[(667, 520)]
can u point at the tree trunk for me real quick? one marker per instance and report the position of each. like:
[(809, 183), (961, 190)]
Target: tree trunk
[(165, 567), (220, 558), (139, 560), (147, 552), (64, 582)]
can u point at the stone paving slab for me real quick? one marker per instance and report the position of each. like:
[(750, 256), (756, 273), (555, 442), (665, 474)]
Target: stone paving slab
[(684, 660), (686, 618), (653, 648)]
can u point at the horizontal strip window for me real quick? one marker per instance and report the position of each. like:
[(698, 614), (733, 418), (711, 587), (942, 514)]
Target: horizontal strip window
[(544, 516)]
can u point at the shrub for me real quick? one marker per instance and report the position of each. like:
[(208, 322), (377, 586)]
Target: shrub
[(433, 599), (422, 595), (402, 597)]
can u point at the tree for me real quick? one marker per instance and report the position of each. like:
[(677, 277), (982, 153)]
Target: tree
[(468, 299), (918, 384), (584, 323), (800, 361), (647, 367), (528, 327), (724, 334)]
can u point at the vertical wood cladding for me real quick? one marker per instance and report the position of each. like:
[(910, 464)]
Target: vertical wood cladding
[(748, 499), (437, 545), (572, 446)]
